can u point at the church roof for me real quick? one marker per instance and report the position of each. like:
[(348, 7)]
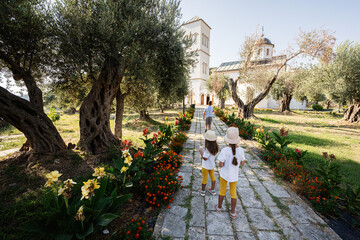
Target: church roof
[(235, 65), (263, 40), (195, 19)]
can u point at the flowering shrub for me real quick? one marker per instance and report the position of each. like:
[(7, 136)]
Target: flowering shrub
[(136, 229), (176, 146), (161, 185), (177, 142), (170, 158)]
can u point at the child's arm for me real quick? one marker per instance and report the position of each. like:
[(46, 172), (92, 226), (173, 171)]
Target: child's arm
[(202, 154), (204, 114), (221, 164), (242, 163)]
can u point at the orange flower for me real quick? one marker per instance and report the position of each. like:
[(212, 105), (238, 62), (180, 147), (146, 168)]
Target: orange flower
[(128, 233), (145, 131)]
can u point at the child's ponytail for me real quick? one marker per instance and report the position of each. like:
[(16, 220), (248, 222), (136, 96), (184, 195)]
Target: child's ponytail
[(233, 148)]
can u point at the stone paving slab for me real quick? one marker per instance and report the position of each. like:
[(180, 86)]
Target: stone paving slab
[(260, 220), (174, 224), (285, 224), (196, 233), (262, 235), (218, 223), (276, 190), (259, 217), (245, 236), (248, 198)]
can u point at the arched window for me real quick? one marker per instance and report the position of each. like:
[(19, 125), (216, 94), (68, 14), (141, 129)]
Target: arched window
[(259, 51), (267, 52)]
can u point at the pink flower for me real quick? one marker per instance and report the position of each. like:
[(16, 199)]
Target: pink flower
[(298, 151), (176, 122)]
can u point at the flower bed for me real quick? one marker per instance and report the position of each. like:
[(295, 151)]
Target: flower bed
[(321, 186), (84, 207)]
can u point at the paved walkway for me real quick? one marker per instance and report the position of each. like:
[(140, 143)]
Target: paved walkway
[(266, 209)]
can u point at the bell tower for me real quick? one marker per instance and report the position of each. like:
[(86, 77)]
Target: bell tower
[(199, 31)]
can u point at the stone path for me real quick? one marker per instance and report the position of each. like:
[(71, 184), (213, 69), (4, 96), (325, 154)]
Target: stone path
[(266, 209)]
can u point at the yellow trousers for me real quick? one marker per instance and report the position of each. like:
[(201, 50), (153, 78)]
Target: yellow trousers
[(223, 185), (206, 173)]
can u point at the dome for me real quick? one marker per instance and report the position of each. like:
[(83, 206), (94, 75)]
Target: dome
[(263, 40)]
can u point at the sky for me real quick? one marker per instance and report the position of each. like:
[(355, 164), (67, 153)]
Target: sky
[(232, 20)]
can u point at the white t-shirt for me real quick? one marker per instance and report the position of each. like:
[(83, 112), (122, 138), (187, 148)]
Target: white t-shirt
[(209, 164), (229, 171), (208, 111)]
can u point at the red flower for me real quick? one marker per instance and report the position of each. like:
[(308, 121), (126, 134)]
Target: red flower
[(145, 131), (283, 132), (155, 135), (176, 122), (128, 233), (137, 235)]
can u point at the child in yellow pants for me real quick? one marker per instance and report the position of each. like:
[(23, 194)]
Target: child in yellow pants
[(208, 162), (229, 165)]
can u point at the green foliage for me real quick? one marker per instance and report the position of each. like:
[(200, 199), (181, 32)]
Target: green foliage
[(246, 129), (60, 217), (329, 174), (136, 229), (53, 115), (217, 83), (352, 199), (317, 107)]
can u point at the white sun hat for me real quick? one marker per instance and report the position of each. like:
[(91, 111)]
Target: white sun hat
[(210, 135), (232, 135)]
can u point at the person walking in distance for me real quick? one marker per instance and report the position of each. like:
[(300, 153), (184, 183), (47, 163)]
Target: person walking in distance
[(208, 116)]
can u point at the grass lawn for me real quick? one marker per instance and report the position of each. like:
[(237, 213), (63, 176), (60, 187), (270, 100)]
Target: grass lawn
[(68, 127), (318, 133)]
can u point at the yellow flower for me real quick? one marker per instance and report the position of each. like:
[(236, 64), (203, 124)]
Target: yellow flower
[(126, 152), (166, 118), (53, 176), (128, 160), (80, 214), (87, 190), (124, 169), (61, 191), (99, 172), (258, 130), (69, 183)]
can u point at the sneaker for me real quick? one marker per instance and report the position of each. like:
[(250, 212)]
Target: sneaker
[(202, 193), (233, 215), (218, 210), (212, 192)]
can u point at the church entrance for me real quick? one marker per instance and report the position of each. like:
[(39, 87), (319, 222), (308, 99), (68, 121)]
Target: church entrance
[(207, 99), (202, 99)]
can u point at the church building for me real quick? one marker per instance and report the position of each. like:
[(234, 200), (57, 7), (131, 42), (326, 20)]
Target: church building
[(199, 31)]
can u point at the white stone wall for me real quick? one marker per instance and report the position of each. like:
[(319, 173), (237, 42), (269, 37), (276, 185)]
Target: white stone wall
[(199, 74)]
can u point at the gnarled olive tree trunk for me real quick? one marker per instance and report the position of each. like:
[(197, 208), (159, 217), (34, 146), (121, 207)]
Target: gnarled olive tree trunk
[(222, 103), (352, 113), (35, 125), (95, 133), (120, 99), (285, 102), (144, 115), (247, 110)]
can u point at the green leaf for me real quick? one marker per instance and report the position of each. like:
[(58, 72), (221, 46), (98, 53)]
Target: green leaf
[(120, 200), (32, 227), (100, 205), (64, 237), (89, 231), (106, 218)]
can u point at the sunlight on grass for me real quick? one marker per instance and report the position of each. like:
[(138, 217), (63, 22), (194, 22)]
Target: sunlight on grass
[(317, 134), (69, 129)]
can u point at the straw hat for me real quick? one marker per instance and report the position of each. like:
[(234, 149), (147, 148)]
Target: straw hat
[(210, 135), (232, 135)]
